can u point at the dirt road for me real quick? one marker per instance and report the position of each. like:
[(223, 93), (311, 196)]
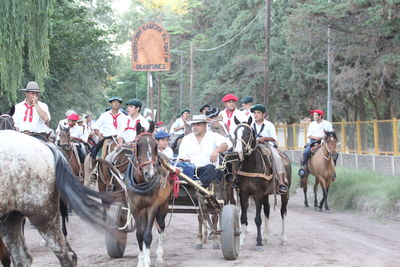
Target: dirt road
[(314, 239)]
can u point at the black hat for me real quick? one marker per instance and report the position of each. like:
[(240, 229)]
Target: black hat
[(246, 100), (204, 106), (212, 112), (134, 102), (259, 107)]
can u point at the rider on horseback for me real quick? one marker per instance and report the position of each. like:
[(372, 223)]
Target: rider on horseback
[(265, 134), (63, 123), (32, 116), (204, 108), (77, 135), (230, 112), (178, 127), (247, 103), (108, 124), (128, 133), (202, 148), (316, 132)]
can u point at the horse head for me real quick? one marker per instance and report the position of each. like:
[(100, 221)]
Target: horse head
[(218, 126), (330, 140), (6, 120), (145, 151), (245, 141), (65, 139)]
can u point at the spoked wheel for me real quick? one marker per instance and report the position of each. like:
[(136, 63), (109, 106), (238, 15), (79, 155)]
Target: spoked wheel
[(230, 235), (116, 240)]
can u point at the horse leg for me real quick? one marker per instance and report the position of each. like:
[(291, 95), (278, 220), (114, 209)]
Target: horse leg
[(244, 203), (258, 221), (284, 202), (160, 218), (55, 240), (147, 238), (4, 255), (326, 199), (11, 229), (199, 244), (215, 236), (140, 222), (304, 181), (315, 192), (323, 186), (266, 207)]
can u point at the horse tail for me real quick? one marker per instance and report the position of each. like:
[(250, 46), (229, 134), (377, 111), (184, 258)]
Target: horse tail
[(79, 197), (64, 216)]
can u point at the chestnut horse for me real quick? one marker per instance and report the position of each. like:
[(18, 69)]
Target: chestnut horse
[(322, 166), (148, 193), (71, 153), (255, 178)]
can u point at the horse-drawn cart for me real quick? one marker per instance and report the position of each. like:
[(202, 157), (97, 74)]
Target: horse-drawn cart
[(192, 198)]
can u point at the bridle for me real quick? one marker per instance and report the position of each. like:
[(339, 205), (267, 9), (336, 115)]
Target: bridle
[(64, 136), (325, 142), (137, 164), (248, 149)]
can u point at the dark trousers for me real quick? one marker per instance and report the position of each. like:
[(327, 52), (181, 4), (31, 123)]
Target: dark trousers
[(307, 152), (208, 173)]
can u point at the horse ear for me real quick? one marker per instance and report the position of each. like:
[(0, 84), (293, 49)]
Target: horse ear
[(151, 127), (12, 111), (250, 120), (139, 129), (237, 122)]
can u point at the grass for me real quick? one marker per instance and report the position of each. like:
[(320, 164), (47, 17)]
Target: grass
[(363, 190)]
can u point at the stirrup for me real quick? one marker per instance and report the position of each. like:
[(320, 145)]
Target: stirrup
[(282, 189), (302, 172)]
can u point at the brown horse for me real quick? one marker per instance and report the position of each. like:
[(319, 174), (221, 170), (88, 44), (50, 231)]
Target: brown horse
[(255, 178), (148, 193), (322, 166), (71, 153)]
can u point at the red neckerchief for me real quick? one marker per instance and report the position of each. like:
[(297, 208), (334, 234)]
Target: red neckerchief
[(30, 109), (229, 118), (132, 128), (247, 112), (115, 121)]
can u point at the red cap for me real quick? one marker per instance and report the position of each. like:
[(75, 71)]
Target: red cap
[(228, 97), (319, 111), (159, 123), (73, 117)]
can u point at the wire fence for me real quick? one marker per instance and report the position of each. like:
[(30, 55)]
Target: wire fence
[(375, 137)]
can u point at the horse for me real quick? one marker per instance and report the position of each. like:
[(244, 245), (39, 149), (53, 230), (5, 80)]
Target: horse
[(255, 178), (148, 192), (32, 189), (322, 166), (71, 152)]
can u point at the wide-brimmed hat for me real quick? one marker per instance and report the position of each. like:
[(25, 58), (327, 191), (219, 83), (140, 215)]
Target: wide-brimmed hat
[(198, 119), (31, 87)]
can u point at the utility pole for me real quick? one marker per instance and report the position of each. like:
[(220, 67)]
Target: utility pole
[(150, 93), (181, 82), (191, 78), (329, 52), (267, 27), (159, 98)]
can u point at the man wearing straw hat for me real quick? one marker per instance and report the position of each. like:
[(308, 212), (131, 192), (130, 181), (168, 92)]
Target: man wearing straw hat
[(31, 115), (202, 148)]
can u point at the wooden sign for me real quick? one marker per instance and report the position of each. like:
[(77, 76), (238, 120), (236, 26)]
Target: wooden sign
[(150, 48)]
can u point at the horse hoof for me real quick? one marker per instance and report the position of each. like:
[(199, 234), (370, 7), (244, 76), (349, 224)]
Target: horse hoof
[(306, 205), (259, 248), (159, 263), (199, 246), (216, 246)]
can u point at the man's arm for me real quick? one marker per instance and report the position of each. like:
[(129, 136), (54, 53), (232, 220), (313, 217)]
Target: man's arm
[(221, 148), (43, 113)]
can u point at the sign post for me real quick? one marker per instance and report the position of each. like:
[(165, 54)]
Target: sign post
[(151, 52)]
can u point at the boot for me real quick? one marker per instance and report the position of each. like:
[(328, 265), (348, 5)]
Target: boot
[(282, 188), (302, 172)]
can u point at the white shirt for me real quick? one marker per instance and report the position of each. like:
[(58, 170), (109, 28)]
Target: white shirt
[(177, 124), (62, 123), (128, 132), (247, 113), (319, 129), (200, 153), (236, 113), (168, 152), (28, 119), (77, 131), (105, 123), (265, 129)]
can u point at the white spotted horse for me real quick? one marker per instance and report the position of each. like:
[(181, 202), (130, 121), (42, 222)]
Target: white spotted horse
[(31, 190)]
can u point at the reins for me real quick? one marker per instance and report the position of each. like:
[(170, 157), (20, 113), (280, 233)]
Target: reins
[(247, 146)]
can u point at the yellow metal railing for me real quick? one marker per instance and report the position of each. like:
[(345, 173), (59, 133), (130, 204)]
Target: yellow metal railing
[(379, 137)]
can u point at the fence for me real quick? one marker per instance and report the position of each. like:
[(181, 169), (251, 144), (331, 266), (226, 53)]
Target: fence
[(375, 137)]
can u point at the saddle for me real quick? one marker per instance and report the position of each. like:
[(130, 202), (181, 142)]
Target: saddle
[(314, 148)]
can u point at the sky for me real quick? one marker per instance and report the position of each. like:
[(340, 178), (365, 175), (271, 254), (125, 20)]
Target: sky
[(121, 5)]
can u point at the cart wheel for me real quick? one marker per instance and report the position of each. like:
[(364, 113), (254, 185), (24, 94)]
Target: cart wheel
[(116, 240), (230, 235)]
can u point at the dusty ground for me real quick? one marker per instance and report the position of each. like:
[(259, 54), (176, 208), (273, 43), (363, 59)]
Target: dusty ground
[(314, 239)]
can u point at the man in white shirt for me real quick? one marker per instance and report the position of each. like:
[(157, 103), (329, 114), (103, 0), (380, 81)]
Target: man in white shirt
[(265, 134), (178, 127), (90, 126), (76, 134), (247, 103), (202, 148), (127, 133), (230, 112), (63, 123), (109, 124), (316, 132), (162, 139), (32, 116)]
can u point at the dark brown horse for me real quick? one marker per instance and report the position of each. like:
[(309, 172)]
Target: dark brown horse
[(148, 193), (255, 178), (322, 166)]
